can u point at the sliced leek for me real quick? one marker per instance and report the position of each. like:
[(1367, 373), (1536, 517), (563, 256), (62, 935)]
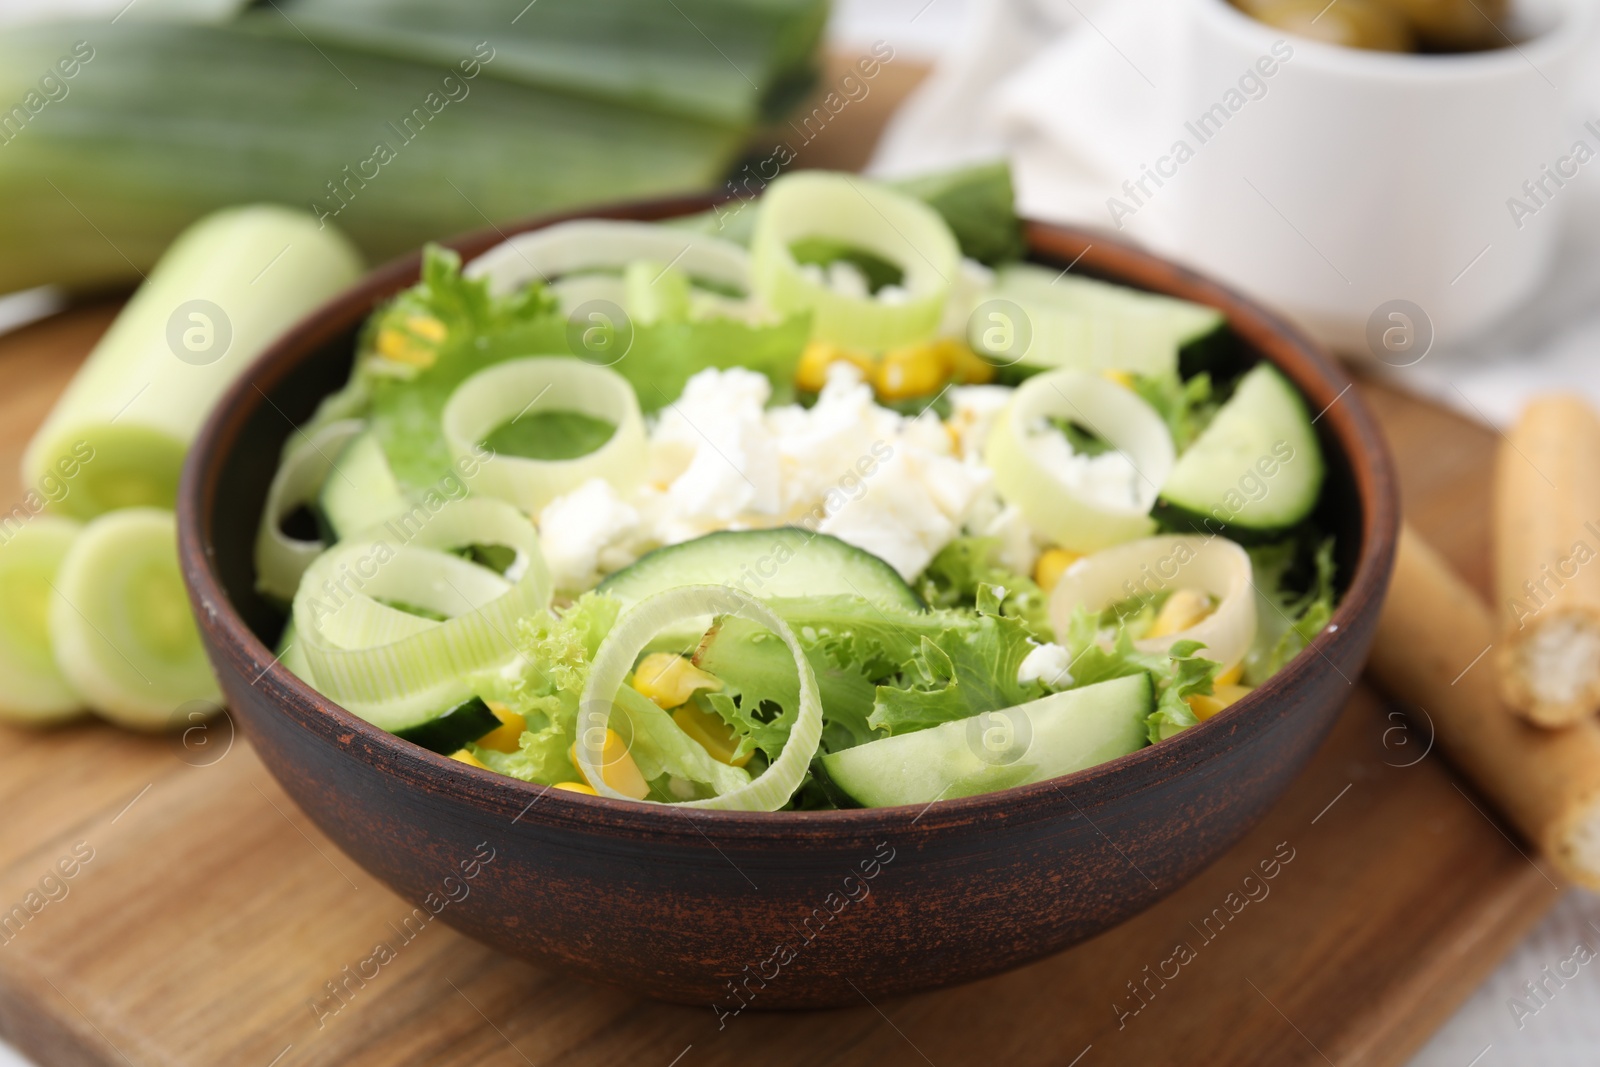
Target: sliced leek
[(1079, 502), (588, 245), (1155, 565), (33, 689), (121, 625), (396, 668), (281, 559), (615, 659), (508, 391), (228, 287), (873, 218)]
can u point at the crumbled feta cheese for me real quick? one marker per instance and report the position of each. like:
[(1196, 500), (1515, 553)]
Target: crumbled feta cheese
[(720, 425), (894, 517), (1019, 545), (973, 409), (1110, 479), (585, 532), (1049, 664), (886, 483)]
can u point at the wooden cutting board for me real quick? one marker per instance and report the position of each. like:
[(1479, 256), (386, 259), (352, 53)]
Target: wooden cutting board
[(212, 913)]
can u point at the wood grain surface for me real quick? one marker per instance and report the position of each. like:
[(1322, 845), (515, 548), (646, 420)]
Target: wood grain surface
[(212, 914)]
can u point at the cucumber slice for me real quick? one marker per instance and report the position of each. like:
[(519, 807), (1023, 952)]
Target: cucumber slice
[(32, 688), (1043, 739), (1085, 324), (120, 621), (361, 490), (465, 722), (1257, 468), (786, 561)]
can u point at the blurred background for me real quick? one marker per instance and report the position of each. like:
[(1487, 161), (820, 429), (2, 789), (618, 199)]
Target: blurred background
[(1431, 217)]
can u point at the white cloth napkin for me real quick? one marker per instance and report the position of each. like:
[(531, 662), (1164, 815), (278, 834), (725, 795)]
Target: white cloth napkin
[(1076, 93)]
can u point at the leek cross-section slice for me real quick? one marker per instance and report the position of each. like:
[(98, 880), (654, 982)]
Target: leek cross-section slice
[(1053, 503), (120, 622), (861, 214), (615, 659), (32, 688), (396, 668), (505, 392)]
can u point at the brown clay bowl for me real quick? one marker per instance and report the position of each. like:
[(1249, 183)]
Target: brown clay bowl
[(777, 910)]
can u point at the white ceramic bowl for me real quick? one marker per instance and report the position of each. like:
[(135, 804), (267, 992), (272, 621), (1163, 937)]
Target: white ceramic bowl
[(1358, 178)]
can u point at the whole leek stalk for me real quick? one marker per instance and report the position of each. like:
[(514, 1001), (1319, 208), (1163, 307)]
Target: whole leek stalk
[(167, 122), (733, 61), (227, 288)]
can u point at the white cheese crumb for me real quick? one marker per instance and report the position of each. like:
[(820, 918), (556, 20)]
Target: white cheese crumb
[(1050, 664), (586, 531)]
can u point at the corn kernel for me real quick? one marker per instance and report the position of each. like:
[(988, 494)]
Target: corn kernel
[(616, 767), (913, 370), (426, 327), (1222, 696), (461, 755), (711, 734), (962, 364), (575, 787), (507, 736), (1183, 609), (1053, 563), (670, 680), (1232, 675), (1121, 377), (812, 373)]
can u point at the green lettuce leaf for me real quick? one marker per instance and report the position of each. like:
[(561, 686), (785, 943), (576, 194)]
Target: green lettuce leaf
[(1179, 673), (557, 650), (1287, 617), (970, 668), (953, 577), (1186, 406)]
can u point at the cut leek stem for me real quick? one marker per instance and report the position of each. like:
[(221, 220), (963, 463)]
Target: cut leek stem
[(229, 286), (607, 244), (615, 659), (281, 559), (873, 218), (1141, 570), (120, 621), (508, 391), (32, 688), (1069, 505), (395, 668)]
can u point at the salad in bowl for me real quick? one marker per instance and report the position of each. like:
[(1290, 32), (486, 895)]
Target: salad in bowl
[(825, 500)]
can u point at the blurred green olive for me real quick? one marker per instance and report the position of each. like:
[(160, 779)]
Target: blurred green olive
[(1369, 24)]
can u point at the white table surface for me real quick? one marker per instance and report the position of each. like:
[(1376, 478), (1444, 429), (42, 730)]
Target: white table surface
[(1565, 1030)]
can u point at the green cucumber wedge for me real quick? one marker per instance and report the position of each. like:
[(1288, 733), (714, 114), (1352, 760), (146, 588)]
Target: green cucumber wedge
[(1257, 468), (1085, 324), (361, 490), (786, 561), (465, 722), (1033, 742)]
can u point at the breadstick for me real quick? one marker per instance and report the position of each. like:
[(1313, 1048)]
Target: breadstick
[(1547, 783), (1547, 539)]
